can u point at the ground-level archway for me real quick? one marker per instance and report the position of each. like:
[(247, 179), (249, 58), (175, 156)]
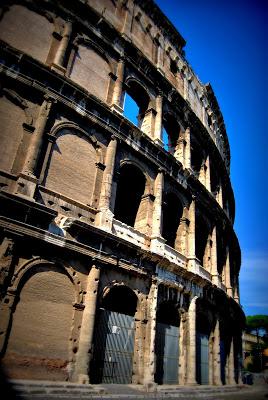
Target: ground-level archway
[(167, 344), (114, 337)]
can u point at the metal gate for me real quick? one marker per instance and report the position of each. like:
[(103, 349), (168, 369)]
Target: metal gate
[(167, 353), (202, 358), (113, 348)]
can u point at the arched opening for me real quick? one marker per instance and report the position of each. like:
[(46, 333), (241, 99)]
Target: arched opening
[(226, 325), (130, 188), (197, 157), (171, 133), (38, 345), (203, 331), (167, 343), (114, 337), (172, 213), (136, 102), (202, 242), (221, 254)]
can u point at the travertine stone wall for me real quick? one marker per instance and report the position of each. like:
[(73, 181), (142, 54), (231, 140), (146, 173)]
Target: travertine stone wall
[(68, 157)]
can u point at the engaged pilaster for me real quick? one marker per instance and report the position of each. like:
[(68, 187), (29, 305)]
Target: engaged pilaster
[(191, 353), (27, 181), (230, 366), (216, 356), (84, 353), (118, 87), (187, 149), (105, 215), (59, 60), (228, 275), (214, 263), (191, 236), (158, 120), (150, 365)]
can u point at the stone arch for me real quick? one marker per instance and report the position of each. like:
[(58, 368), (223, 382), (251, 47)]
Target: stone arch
[(114, 335), (91, 69), (39, 341), (172, 131), (205, 324), (21, 275), (167, 342), (172, 214), (129, 197), (203, 240), (62, 171), (140, 95)]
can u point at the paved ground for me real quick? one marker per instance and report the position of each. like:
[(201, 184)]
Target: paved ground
[(250, 393)]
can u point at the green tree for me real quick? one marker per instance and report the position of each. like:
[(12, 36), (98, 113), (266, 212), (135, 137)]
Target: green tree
[(258, 325)]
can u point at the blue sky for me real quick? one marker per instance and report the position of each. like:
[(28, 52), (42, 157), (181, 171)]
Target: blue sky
[(226, 44)]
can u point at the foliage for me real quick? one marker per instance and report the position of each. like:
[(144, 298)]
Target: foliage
[(257, 324)]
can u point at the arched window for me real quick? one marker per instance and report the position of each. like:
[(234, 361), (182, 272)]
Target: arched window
[(130, 188), (202, 242), (172, 213), (136, 103), (170, 133), (197, 158)]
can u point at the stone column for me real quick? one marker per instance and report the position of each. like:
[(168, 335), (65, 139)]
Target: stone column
[(236, 290), (158, 120), (26, 184), (58, 63), (151, 332), (6, 258), (84, 353), (191, 353), (214, 262), (129, 10), (179, 152), (105, 215), (219, 195), (157, 209), (183, 349), (230, 366), (228, 284), (118, 87), (216, 356), (207, 174), (191, 236), (187, 149), (181, 242), (6, 309), (37, 138)]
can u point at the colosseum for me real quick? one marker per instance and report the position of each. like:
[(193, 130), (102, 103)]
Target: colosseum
[(119, 262)]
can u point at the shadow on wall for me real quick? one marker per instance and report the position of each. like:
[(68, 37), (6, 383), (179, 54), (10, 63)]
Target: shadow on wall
[(6, 387)]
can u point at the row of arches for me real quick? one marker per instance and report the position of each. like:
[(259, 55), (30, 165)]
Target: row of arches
[(89, 60), (43, 335)]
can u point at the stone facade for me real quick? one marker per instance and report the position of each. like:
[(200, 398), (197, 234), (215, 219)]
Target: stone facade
[(118, 258)]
